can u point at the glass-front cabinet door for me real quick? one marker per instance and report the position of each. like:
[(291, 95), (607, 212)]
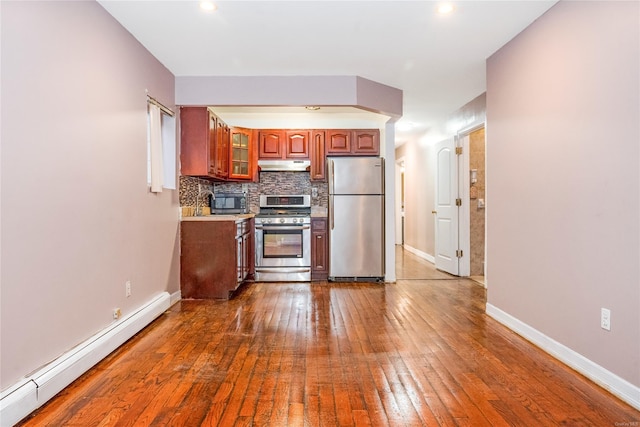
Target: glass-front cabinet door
[(240, 154)]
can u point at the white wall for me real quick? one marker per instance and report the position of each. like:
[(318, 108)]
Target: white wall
[(563, 107), (77, 217)]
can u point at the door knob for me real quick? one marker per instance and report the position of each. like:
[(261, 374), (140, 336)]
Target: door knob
[(434, 212)]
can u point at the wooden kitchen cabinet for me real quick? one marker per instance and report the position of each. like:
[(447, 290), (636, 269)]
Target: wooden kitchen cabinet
[(317, 155), (366, 142), (210, 149), (353, 142), (241, 155), (319, 249), (198, 133), (222, 150), (283, 144), (215, 257)]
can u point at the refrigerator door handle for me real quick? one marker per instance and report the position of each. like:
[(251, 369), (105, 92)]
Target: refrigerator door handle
[(331, 215), (333, 178)]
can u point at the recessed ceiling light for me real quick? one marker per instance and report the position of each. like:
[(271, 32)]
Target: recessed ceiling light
[(445, 8), (207, 6), (312, 107)]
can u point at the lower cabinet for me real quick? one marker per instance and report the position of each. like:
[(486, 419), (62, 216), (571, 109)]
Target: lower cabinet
[(319, 249), (215, 257)]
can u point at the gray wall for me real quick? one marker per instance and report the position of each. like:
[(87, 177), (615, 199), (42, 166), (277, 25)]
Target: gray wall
[(77, 217), (562, 180)]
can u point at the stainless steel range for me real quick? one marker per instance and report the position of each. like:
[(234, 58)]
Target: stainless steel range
[(283, 239)]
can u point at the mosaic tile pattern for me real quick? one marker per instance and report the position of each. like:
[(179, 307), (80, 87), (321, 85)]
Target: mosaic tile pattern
[(188, 192), (286, 183)]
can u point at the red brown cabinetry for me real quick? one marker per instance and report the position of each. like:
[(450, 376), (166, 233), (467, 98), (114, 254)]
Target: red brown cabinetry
[(215, 257), (318, 158), (198, 135), (209, 148), (319, 249), (241, 154), (283, 144), (347, 142)]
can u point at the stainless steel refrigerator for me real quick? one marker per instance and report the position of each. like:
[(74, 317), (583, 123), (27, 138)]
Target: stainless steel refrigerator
[(356, 218)]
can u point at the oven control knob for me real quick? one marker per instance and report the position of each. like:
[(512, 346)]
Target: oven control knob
[(269, 221), (294, 220), (282, 220)]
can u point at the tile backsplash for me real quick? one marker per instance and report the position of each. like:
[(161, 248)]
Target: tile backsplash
[(285, 183)]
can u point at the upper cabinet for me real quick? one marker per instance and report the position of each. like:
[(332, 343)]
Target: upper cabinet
[(209, 150), (221, 148), (297, 144), (348, 142), (198, 133), (318, 158), (241, 154), (283, 144)]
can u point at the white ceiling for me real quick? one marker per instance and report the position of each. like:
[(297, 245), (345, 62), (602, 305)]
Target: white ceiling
[(437, 61)]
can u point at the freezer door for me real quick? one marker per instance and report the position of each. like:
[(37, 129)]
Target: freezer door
[(355, 175), (356, 236)]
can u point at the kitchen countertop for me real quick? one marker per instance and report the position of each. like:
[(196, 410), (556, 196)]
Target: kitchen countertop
[(231, 217)]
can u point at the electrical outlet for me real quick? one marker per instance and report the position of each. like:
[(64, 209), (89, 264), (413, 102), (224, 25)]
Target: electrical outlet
[(127, 287), (605, 319), (116, 313), (245, 188)]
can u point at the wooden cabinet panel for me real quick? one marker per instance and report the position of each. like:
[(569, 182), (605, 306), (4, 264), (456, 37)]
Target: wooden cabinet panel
[(283, 144), (195, 141), (366, 141), (318, 158), (349, 142), (240, 154), (222, 150), (270, 144), (319, 249), (338, 141), (296, 144), (204, 144), (215, 257)]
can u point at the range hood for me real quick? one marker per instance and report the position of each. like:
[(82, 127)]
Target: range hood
[(284, 165)]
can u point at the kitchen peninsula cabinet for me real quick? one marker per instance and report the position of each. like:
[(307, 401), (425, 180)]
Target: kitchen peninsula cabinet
[(349, 142), (283, 144), (215, 256), (319, 249)]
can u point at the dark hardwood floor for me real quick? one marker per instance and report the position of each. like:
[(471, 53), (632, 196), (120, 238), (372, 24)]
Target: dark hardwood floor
[(420, 352)]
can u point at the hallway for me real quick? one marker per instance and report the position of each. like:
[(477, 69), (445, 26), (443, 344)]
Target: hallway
[(419, 352)]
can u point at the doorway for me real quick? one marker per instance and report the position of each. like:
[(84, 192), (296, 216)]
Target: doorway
[(400, 201), (473, 191)]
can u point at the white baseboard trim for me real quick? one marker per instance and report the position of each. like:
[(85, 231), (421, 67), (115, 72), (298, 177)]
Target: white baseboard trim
[(29, 394), (175, 297), (601, 376), (421, 254)]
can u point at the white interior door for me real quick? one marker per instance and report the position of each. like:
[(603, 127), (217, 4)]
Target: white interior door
[(446, 211)]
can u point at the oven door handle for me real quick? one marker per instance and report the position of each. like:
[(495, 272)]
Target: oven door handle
[(283, 270), (282, 227)]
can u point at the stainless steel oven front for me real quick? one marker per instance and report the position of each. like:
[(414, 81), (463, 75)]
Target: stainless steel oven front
[(283, 249)]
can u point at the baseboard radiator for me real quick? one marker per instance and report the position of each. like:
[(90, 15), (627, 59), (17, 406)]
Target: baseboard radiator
[(32, 392)]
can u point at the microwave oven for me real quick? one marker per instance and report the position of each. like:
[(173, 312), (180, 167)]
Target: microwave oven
[(229, 203)]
